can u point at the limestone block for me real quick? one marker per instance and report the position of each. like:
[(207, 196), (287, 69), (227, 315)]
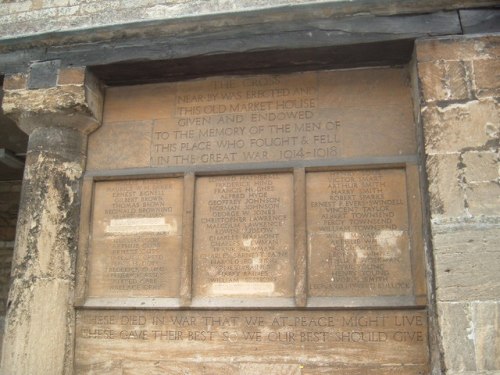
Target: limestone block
[(54, 99), (481, 166), (71, 76), (461, 127), (466, 263), (15, 82), (486, 332), (487, 77), (458, 48), (446, 195), (444, 80), (456, 339), (483, 198), (41, 312), (74, 103), (471, 337)]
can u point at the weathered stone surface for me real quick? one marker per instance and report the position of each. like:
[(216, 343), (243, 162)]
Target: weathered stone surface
[(487, 77), (483, 198), (39, 312), (71, 76), (250, 341), (461, 127), (45, 103), (458, 48), (466, 261), (15, 82), (445, 80), (38, 337), (43, 264), (486, 332), (457, 337), (42, 223), (470, 337), (445, 191), (481, 166), (461, 142), (77, 106)]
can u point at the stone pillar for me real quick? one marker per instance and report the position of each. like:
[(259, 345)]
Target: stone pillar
[(58, 108), (460, 115)]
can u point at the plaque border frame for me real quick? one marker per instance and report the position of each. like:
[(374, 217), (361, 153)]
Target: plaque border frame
[(301, 300)]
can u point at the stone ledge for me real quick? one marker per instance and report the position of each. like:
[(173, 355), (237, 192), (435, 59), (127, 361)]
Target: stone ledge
[(76, 102)]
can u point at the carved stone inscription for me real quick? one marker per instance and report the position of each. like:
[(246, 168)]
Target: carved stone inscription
[(305, 339), (256, 119), (246, 119), (136, 238), (358, 233), (243, 242)]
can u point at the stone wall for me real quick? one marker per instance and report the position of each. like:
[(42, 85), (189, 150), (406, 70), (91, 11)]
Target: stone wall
[(460, 87), (9, 206)]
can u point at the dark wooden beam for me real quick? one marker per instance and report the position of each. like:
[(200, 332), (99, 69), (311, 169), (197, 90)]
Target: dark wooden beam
[(224, 37), (374, 54), (480, 20)]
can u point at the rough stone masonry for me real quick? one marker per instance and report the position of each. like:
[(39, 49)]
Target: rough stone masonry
[(460, 85)]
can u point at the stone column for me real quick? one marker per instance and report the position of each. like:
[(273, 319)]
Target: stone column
[(58, 108)]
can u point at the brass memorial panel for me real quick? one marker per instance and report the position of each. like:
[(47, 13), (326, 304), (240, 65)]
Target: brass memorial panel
[(358, 233), (251, 342), (243, 236), (136, 238)]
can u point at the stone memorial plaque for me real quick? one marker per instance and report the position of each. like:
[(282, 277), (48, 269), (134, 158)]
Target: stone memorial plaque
[(251, 342), (261, 259), (135, 246), (256, 119), (357, 225), (243, 236)]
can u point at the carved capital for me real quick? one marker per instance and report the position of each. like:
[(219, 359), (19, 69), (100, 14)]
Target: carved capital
[(75, 102)]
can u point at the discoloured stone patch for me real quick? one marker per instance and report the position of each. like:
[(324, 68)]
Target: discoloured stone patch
[(460, 127), (446, 195)]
